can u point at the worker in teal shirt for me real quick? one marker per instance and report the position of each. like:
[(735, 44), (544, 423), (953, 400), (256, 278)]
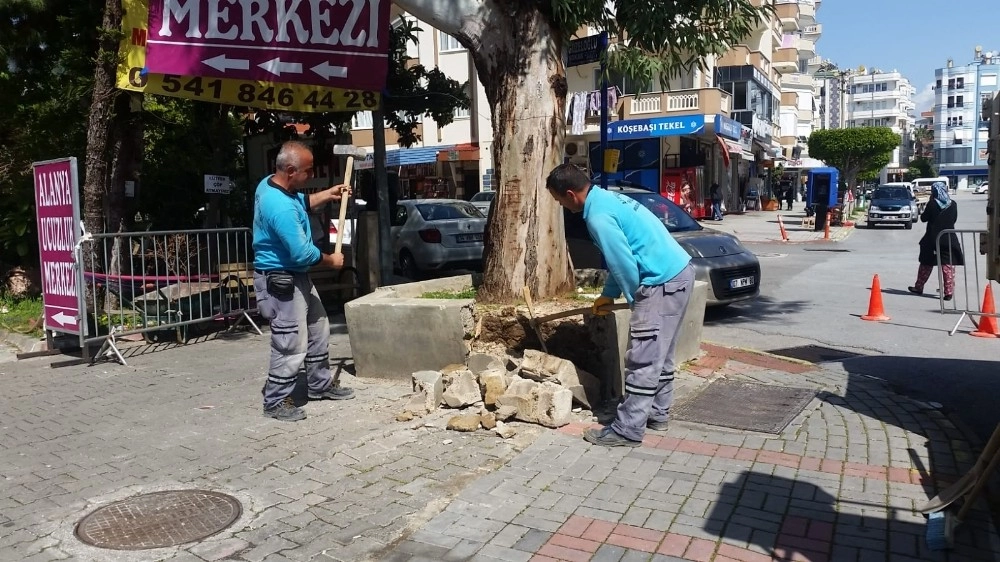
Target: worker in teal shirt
[(283, 253), (655, 274)]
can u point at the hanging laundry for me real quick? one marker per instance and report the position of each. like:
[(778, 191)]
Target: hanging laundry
[(579, 112)]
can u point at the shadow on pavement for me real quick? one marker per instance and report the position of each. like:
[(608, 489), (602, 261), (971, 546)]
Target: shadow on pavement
[(754, 310), (796, 520), (966, 388)]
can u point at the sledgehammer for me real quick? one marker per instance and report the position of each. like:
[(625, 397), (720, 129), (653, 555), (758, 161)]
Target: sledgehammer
[(536, 323), (351, 152)]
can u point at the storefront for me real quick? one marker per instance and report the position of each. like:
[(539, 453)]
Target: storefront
[(414, 173), (460, 164), (736, 145)]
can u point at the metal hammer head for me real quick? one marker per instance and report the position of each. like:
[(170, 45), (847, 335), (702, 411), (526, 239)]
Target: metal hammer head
[(350, 150)]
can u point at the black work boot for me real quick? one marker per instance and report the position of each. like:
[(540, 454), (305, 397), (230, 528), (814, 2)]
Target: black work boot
[(286, 410)]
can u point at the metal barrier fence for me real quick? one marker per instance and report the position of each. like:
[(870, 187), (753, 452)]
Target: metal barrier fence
[(969, 286), (158, 284)]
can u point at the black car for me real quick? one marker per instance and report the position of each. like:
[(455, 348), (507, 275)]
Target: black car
[(731, 271)]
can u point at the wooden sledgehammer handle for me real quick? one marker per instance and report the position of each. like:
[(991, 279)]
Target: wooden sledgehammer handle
[(577, 312), (343, 206)]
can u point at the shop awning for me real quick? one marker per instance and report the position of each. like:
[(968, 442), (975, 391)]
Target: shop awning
[(735, 149), (404, 157), (460, 153)]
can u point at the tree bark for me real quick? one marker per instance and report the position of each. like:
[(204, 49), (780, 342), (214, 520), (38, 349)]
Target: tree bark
[(518, 56), (100, 129)]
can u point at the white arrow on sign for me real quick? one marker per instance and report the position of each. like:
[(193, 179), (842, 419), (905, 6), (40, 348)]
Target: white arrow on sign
[(64, 319), (327, 70), (276, 67), (224, 63)]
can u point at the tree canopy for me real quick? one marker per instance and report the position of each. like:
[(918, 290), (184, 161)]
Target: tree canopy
[(855, 151), (517, 48)]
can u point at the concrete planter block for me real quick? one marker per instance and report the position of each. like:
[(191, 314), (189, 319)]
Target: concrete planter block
[(610, 334), (394, 332)]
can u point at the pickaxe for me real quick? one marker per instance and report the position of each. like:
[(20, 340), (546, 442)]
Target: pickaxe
[(351, 152)]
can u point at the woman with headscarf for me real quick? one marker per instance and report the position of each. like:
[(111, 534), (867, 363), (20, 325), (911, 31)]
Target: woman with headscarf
[(940, 214)]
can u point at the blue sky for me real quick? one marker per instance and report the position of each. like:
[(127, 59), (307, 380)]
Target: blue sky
[(914, 37)]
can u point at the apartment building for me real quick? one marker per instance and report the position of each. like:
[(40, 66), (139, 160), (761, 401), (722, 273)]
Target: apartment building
[(923, 136), (960, 132), (873, 98), (450, 161), (797, 62)]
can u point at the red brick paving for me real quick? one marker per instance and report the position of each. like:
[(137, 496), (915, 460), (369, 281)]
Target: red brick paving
[(891, 474), (715, 352)]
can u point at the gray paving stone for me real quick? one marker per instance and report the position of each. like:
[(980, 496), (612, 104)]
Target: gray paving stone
[(532, 540)]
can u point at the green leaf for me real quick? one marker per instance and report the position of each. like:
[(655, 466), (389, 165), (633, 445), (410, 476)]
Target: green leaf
[(22, 249), (20, 229)]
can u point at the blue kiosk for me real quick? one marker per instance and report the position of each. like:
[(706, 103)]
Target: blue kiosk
[(821, 193)]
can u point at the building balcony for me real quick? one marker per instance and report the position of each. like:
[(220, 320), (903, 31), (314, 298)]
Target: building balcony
[(807, 47), (742, 56), (812, 31), (704, 101), (797, 81), (788, 14), (785, 60), (807, 13)]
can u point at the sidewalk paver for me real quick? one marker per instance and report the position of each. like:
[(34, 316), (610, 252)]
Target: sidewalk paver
[(350, 483)]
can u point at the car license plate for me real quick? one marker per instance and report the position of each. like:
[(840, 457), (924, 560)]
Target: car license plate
[(741, 282), (470, 237)]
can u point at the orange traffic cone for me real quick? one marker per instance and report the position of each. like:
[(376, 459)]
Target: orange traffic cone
[(875, 311), (781, 226), (988, 324)]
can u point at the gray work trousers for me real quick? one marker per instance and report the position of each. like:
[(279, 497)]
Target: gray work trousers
[(649, 359), (300, 335)]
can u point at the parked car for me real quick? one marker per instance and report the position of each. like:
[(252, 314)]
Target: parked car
[(981, 188), (482, 201), (917, 202), (891, 205), (720, 259), (435, 234)]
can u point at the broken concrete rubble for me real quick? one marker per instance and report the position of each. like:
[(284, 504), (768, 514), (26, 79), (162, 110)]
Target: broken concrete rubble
[(492, 383), (461, 389), (481, 362), (464, 422), (542, 367), (544, 403)]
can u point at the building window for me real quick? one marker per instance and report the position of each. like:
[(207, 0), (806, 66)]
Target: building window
[(951, 101), (959, 101), (465, 113), (362, 120), (960, 83), (951, 83), (448, 43), (937, 85)]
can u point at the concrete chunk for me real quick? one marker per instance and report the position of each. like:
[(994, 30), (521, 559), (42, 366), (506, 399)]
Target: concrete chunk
[(465, 422), (545, 403), (542, 367), (428, 387), (492, 383), (461, 389), (481, 362)]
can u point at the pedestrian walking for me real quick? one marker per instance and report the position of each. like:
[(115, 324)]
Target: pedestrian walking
[(790, 196), (715, 192), (655, 274), (940, 214), (284, 252)]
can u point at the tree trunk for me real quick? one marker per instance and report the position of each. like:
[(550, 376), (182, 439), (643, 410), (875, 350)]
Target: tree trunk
[(100, 128), (520, 66)]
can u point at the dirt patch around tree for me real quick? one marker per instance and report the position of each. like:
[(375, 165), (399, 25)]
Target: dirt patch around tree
[(506, 330)]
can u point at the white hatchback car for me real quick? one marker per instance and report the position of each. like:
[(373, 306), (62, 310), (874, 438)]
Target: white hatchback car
[(981, 188)]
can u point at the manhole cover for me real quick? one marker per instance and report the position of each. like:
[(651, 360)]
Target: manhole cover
[(814, 353), (742, 405), (770, 255), (159, 519)]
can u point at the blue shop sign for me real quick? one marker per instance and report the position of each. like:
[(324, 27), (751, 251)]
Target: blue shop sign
[(655, 127), (729, 128)]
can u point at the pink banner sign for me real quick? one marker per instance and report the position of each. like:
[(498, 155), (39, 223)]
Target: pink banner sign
[(57, 211), (333, 43)]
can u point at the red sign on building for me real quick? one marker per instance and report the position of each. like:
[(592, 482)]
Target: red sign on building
[(57, 211), (341, 44)]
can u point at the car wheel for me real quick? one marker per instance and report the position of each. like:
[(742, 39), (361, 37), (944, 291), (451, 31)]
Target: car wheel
[(909, 226), (408, 265), (870, 225)]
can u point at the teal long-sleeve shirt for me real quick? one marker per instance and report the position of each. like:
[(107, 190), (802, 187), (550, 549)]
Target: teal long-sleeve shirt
[(636, 246), (281, 233)]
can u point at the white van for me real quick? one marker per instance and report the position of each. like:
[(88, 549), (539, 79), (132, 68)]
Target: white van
[(923, 185)]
